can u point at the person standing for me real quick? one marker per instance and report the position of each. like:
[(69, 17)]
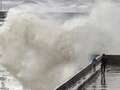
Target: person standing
[(103, 63), (103, 68)]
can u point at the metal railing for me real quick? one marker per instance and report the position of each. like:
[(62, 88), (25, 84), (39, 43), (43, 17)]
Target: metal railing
[(80, 77)]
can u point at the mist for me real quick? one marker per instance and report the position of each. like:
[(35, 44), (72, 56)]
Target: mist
[(43, 50)]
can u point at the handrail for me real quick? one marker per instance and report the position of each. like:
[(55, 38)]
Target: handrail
[(78, 76)]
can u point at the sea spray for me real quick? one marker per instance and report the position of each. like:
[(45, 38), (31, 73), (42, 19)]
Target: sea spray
[(42, 54), (28, 46)]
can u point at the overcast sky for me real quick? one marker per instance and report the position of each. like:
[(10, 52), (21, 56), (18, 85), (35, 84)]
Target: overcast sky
[(64, 5)]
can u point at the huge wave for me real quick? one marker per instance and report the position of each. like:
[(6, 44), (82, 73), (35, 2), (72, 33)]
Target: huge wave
[(43, 53)]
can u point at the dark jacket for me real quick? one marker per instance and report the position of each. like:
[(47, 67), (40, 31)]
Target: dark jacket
[(104, 60)]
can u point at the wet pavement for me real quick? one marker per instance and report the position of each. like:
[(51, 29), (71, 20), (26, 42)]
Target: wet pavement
[(111, 81)]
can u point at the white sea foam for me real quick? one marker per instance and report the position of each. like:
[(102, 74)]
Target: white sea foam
[(42, 54)]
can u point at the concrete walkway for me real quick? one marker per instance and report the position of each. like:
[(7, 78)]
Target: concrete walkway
[(112, 80)]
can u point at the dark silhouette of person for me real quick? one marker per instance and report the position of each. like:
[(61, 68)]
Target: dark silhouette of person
[(103, 63), (103, 68)]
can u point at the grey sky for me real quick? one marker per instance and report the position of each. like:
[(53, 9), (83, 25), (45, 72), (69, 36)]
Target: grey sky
[(66, 5)]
